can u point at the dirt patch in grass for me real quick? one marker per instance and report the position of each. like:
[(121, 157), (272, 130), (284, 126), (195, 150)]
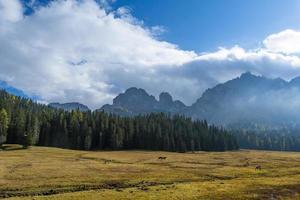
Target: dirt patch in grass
[(101, 160), (276, 192), (112, 185), (19, 166)]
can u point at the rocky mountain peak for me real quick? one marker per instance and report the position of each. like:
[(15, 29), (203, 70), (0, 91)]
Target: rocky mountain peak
[(165, 98), (136, 101), (134, 97)]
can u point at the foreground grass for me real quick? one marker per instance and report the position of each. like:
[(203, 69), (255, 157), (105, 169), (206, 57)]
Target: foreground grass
[(52, 173)]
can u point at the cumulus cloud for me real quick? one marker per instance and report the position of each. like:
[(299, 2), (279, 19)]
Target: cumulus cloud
[(81, 51), (285, 42), (75, 50)]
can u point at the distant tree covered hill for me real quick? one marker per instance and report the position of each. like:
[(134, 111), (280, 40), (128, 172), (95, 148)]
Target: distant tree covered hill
[(70, 106), (26, 122), (12, 90)]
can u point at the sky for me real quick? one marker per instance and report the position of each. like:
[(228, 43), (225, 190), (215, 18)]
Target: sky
[(89, 51), (208, 24)]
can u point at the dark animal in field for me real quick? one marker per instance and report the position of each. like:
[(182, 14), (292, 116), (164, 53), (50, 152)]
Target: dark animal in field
[(162, 158), (258, 167), (107, 161)]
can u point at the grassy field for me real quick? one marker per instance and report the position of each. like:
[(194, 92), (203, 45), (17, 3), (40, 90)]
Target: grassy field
[(52, 173)]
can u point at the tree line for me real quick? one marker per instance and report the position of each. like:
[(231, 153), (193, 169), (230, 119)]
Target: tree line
[(28, 123), (280, 140)]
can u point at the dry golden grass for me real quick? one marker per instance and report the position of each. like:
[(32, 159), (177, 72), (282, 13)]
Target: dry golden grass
[(52, 173)]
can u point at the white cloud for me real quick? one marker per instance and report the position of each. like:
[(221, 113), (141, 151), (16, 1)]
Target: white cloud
[(285, 42), (78, 51), (40, 52), (10, 10)]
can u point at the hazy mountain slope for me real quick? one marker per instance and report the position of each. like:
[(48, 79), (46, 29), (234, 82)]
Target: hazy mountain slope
[(246, 101), (12, 90), (70, 106), (250, 99)]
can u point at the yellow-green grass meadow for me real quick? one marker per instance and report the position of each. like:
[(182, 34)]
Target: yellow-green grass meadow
[(53, 173)]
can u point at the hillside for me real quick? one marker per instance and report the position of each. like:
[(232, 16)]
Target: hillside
[(12, 90), (54, 174)]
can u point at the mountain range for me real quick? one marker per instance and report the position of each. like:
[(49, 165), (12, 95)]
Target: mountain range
[(250, 101)]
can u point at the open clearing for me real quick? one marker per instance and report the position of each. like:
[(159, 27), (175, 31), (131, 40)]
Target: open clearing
[(52, 173)]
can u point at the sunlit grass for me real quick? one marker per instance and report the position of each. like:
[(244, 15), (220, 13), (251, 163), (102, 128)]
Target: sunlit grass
[(52, 173)]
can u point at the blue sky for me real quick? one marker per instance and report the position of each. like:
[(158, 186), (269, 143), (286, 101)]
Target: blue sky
[(204, 25), (79, 51)]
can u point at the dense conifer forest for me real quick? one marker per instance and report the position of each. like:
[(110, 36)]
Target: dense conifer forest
[(28, 123), (279, 140)]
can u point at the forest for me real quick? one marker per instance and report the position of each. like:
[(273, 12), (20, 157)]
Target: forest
[(26, 122), (279, 140), (23, 121)]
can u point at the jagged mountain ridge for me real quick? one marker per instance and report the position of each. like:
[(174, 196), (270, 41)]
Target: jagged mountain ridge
[(136, 101), (244, 94), (248, 99)]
